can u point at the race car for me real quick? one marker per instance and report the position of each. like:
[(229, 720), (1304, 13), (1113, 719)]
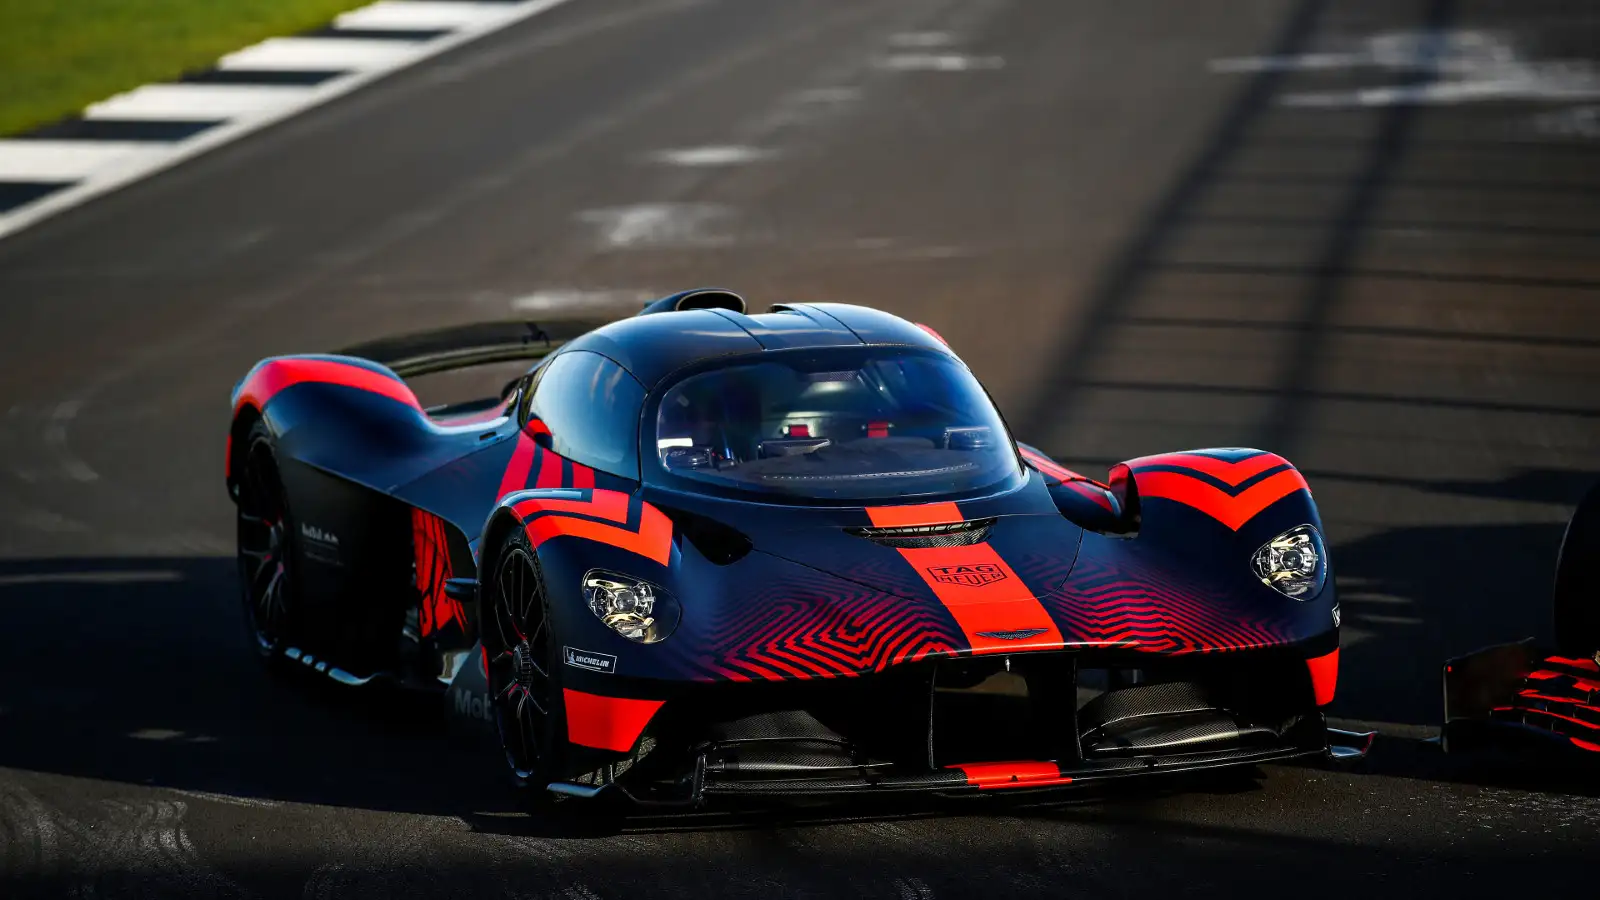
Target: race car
[(1529, 698), (700, 552)]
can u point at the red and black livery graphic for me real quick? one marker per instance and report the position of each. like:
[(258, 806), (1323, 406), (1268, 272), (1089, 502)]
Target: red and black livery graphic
[(1055, 473), (430, 544), (793, 622), (613, 518), (1231, 486), (274, 376), (1116, 598), (988, 602), (533, 465), (1562, 696)]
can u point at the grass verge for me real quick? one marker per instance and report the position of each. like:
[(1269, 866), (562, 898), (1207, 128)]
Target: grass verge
[(58, 56)]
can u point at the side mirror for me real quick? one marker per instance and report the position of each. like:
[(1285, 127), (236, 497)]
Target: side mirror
[(513, 386), (462, 590), (1111, 508), (1125, 493), (540, 432)]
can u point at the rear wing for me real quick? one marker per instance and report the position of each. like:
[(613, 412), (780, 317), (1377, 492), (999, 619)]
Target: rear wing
[(466, 346)]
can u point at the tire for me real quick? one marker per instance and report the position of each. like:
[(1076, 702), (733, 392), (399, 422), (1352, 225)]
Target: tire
[(265, 550), (1576, 604), (524, 673)]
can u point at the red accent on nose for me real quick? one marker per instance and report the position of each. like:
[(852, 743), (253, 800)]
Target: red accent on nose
[(1324, 676), (1025, 773), (606, 723)]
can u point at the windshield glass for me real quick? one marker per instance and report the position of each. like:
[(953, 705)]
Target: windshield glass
[(870, 423)]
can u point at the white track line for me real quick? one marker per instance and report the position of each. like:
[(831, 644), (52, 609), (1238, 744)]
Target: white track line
[(315, 54), (420, 15), (64, 160), (199, 102), (242, 118)]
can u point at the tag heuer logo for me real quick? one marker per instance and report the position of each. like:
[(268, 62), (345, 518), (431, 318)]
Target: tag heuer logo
[(971, 576)]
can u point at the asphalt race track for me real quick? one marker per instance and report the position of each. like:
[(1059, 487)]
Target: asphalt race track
[(1363, 233)]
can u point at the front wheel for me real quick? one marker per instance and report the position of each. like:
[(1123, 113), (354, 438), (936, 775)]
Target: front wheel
[(524, 679), (1577, 591)]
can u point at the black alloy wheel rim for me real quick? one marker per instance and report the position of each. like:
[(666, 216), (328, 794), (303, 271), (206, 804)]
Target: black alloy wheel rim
[(264, 548), (519, 674)]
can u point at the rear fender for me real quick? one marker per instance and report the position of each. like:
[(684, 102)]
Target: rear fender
[(345, 432)]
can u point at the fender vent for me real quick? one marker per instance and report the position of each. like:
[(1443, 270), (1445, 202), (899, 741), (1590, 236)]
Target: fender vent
[(920, 537), (721, 544)]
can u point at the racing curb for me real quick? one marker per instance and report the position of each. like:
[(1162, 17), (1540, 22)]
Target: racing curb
[(156, 126)]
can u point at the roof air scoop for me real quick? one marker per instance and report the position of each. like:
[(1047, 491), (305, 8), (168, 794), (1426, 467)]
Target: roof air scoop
[(699, 298)]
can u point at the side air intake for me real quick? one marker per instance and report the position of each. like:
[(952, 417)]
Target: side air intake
[(699, 298)]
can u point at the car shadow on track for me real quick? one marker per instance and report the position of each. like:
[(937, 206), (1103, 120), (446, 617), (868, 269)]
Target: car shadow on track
[(137, 671), (1152, 849)]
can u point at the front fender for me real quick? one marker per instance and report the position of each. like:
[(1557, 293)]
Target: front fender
[(1183, 582), (574, 530)]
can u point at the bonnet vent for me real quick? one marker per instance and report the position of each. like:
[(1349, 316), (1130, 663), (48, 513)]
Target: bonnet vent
[(921, 537)]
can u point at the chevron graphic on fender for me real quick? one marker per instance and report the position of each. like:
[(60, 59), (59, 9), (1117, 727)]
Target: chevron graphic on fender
[(1232, 491), (608, 517)]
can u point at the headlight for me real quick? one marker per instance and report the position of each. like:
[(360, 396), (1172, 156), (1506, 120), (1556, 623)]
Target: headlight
[(1294, 563), (637, 610)]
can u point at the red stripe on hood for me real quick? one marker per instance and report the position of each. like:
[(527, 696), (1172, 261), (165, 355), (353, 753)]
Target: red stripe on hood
[(913, 515), (976, 586)]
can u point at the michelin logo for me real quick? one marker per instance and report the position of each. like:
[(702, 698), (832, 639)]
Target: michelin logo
[(587, 659)]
